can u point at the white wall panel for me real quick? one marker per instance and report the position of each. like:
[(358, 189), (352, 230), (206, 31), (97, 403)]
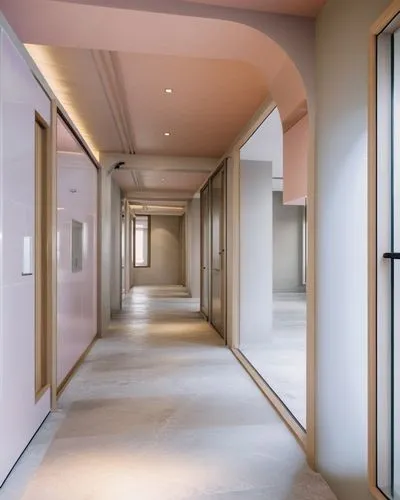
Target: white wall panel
[(76, 291), (20, 97)]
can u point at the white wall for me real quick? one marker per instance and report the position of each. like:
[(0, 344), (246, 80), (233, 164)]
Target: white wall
[(115, 250), (193, 248), (76, 291), (287, 238), (20, 97), (166, 253), (266, 144), (255, 250), (341, 240)]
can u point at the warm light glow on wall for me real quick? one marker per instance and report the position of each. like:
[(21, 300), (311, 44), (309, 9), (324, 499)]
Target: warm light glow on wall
[(50, 70)]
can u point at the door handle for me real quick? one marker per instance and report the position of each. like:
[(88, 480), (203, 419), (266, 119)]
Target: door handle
[(392, 255)]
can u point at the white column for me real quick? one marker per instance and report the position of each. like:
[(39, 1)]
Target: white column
[(256, 260)]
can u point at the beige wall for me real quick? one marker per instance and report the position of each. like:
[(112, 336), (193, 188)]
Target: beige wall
[(166, 253), (193, 248)]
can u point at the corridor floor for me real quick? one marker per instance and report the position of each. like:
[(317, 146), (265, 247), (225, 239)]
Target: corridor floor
[(161, 410)]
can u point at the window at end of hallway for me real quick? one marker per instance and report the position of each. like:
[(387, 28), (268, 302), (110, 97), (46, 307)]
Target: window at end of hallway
[(142, 241)]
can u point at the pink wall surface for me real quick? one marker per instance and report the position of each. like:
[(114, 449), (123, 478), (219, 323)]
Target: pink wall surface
[(76, 291), (20, 97), (295, 163)]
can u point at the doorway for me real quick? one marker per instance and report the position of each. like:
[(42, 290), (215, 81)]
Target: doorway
[(213, 250)]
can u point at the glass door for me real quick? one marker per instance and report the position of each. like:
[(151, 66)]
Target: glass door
[(395, 263), (218, 251), (205, 250), (388, 263)]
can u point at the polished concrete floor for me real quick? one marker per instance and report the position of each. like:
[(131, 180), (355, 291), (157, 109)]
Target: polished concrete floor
[(161, 410), (281, 358)]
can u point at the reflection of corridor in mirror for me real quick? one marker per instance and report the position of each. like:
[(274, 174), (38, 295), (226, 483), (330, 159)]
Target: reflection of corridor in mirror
[(162, 410), (281, 359)]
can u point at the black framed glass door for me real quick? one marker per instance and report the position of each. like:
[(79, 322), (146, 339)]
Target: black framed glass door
[(388, 263)]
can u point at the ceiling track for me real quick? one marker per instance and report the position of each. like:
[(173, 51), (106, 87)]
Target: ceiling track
[(135, 178), (110, 77)]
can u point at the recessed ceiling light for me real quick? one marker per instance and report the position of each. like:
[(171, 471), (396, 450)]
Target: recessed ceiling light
[(168, 91), (167, 134)]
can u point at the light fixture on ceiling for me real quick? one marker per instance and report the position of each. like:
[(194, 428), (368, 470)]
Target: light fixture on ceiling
[(115, 166), (168, 91), (167, 134)]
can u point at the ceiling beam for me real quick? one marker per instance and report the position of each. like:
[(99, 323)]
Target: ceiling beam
[(111, 79)]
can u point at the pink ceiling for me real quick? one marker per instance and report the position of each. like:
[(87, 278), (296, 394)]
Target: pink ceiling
[(189, 181), (220, 71), (307, 8), (211, 102), (55, 24)]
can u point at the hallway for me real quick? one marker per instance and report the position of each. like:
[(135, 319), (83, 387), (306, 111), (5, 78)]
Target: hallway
[(161, 410)]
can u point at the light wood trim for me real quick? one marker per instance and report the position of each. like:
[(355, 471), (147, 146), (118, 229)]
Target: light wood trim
[(67, 379), (52, 254), (385, 19), (289, 420), (40, 269), (43, 269), (311, 301)]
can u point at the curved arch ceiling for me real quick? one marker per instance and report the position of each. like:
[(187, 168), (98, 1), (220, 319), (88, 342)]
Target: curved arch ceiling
[(308, 8), (111, 69)]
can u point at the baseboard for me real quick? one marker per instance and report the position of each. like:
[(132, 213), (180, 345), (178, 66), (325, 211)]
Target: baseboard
[(289, 420), (61, 388)]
